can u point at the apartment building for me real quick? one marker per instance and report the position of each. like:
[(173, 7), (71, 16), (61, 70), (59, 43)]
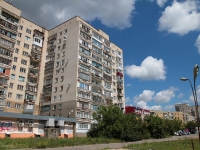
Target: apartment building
[(137, 110), (83, 70), (173, 115), (23, 46)]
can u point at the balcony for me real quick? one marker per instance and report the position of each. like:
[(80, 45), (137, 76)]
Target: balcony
[(119, 74), (48, 75), (33, 75), (108, 97), (4, 75), (3, 82), (3, 95), (36, 50), (35, 58), (8, 24), (120, 80), (36, 67), (119, 85), (45, 103), (120, 94), (39, 34), (9, 57), (83, 71)]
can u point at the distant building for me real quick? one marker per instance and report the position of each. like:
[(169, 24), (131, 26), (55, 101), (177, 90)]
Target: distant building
[(137, 110)]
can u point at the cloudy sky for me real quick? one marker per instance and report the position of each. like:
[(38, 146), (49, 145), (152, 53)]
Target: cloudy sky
[(160, 40)]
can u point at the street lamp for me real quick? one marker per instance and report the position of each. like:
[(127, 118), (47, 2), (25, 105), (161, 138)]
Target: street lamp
[(195, 72)]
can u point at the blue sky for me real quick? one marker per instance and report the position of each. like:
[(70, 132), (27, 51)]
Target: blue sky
[(159, 39)]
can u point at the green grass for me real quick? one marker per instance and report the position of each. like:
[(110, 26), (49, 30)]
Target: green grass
[(184, 144), (9, 143)]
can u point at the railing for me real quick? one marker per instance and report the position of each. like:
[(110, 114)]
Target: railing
[(28, 111)]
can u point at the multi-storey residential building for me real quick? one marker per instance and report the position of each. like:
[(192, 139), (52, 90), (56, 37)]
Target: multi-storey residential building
[(23, 46), (83, 70)]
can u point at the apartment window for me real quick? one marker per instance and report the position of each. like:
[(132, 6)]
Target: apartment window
[(28, 31), (60, 106), (114, 83), (61, 78), (22, 70), (24, 53), (60, 33), (55, 89), (9, 95), (60, 97), (114, 97), (21, 27), (26, 46), (27, 38), (63, 54), (114, 70), (54, 107), (62, 62), (18, 42), (61, 88), (19, 96), (18, 106), (24, 62), (11, 85), (37, 40), (12, 76), (57, 71), (59, 41), (62, 70), (58, 48), (19, 35), (22, 79), (20, 87), (8, 104), (114, 90), (113, 77), (54, 98), (58, 56), (16, 50), (83, 126), (64, 46), (65, 31), (15, 59), (84, 86), (56, 80), (13, 67)]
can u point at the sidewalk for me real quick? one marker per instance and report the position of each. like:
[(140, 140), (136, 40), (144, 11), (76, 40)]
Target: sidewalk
[(120, 145)]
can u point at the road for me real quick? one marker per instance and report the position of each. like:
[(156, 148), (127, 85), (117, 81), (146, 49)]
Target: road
[(120, 145)]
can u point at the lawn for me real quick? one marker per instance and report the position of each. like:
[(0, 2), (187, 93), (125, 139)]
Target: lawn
[(184, 144), (8, 143)]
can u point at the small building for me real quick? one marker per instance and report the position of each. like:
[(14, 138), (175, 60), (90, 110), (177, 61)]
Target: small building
[(137, 110)]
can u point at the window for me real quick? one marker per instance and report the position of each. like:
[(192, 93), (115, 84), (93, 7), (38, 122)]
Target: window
[(54, 98), (9, 95), (24, 53), (60, 33), (55, 89), (15, 59), (62, 70), (58, 56), (20, 87), (83, 126), (26, 46), (37, 40), (65, 31), (114, 90), (13, 67), (60, 97), (60, 106), (63, 54), (22, 79), (84, 86), (22, 70), (11, 85), (57, 63), (16, 50), (18, 42), (59, 41), (18, 106), (27, 38), (97, 43), (62, 62), (54, 107), (56, 80), (97, 36), (61, 78), (61, 88), (58, 48), (19, 96), (12, 76), (21, 27), (8, 104), (28, 31), (24, 62), (19, 35), (64, 46)]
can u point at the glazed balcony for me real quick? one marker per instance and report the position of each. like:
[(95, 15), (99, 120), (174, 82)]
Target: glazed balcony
[(7, 44), (3, 83), (33, 75), (120, 85), (4, 75), (35, 58), (8, 24), (37, 50), (120, 94), (45, 103), (38, 33)]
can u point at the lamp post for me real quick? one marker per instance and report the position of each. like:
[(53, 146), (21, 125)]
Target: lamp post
[(195, 72)]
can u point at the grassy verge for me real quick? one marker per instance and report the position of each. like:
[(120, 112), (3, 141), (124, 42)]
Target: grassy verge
[(8, 143), (184, 144)]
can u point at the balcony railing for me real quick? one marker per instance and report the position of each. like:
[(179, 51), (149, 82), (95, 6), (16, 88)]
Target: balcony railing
[(28, 111)]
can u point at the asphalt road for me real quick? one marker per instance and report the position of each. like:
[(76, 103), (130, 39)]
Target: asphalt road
[(120, 145)]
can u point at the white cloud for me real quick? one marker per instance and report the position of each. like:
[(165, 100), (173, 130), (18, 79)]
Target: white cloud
[(128, 85), (181, 17), (50, 13), (144, 105), (197, 44), (146, 96), (127, 99), (150, 69), (165, 96), (180, 95), (161, 2)]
